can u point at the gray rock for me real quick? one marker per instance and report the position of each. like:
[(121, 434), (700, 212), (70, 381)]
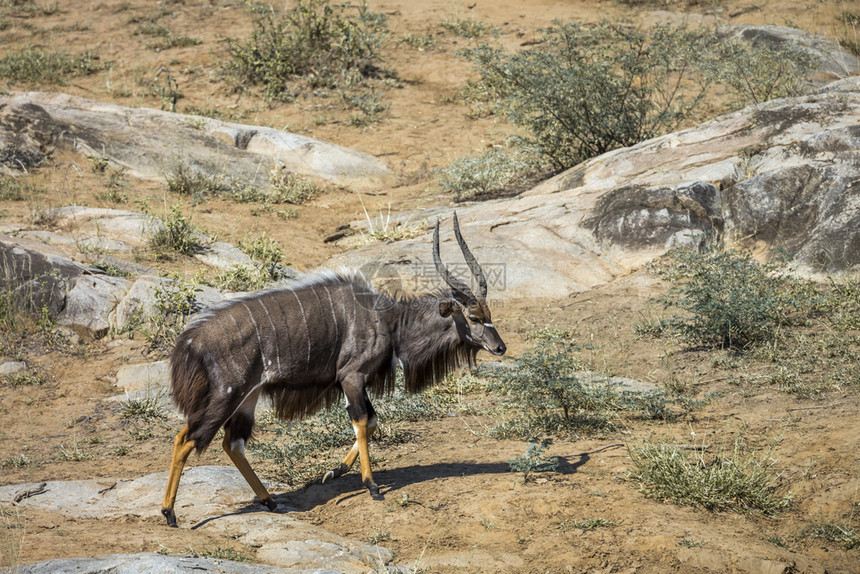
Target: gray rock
[(780, 175), (150, 143), (90, 304), (222, 255), (147, 563), (211, 498), (143, 377), (12, 368), (834, 62)]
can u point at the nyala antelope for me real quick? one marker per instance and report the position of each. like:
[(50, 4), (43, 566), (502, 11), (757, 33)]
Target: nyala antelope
[(305, 344)]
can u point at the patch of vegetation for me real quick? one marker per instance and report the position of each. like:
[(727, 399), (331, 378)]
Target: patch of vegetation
[(264, 249), (735, 480), (731, 300), (17, 461), (24, 379), (587, 524), (287, 187), (316, 43), (420, 43), (243, 278), (760, 71), (837, 532), (174, 302), (470, 28), (585, 91), (18, 188), (220, 553), (110, 269), (147, 408), (185, 179), (176, 234), (52, 68), (494, 173), (172, 41), (370, 105), (534, 460), (554, 395)]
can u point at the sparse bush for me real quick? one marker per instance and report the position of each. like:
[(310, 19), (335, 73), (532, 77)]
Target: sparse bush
[(176, 234), (534, 460), (840, 533), (420, 43), (242, 278), (732, 300), (264, 249), (18, 188), (323, 45), (494, 173), (147, 408), (370, 105), (185, 179), (35, 66), (174, 302), (760, 71), (734, 480), (587, 524), (466, 27), (288, 187), (586, 91)]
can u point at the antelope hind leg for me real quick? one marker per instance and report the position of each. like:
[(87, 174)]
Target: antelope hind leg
[(236, 452), (363, 430), (181, 449)]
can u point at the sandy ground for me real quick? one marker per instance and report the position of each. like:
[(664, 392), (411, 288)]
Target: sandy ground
[(470, 513)]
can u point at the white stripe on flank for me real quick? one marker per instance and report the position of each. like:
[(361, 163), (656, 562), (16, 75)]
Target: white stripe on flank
[(274, 335), (241, 347), (256, 330), (307, 328)]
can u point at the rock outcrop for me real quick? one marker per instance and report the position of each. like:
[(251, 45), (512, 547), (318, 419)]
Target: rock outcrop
[(782, 175), (149, 143)]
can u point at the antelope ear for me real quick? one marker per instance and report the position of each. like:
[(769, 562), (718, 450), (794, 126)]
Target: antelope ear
[(446, 308)]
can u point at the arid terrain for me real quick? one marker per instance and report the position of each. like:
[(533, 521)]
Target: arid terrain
[(452, 503)]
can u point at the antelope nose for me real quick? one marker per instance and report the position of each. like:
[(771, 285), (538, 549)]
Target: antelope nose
[(500, 350)]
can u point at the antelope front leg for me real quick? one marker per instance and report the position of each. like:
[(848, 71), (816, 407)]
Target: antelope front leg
[(349, 460), (361, 435), (181, 449)]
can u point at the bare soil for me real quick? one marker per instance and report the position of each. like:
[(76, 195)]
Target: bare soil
[(452, 503)]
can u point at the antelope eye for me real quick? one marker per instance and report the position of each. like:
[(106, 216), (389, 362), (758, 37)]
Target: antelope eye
[(473, 319)]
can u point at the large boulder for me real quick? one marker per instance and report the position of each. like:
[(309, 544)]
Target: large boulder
[(151, 143), (781, 175)]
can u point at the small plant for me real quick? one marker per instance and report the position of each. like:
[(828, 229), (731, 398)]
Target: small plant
[(534, 460), (733, 480), (264, 249), (315, 42), (288, 187), (35, 66), (242, 278), (185, 179), (18, 188), (24, 379), (176, 234), (491, 174), (420, 43), (732, 300), (840, 533), (174, 302), (147, 408), (220, 553), (587, 524), (379, 537), (73, 453), (17, 461), (370, 105), (466, 27)]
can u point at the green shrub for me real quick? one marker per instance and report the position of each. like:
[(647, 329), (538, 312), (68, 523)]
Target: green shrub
[(585, 91), (174, 302), (242, 278), (185, 179), (35, 66), (176, 234), (841, 533), (486, 175), (759, 71), (466, 27), (728, 481), (323, 45), (264, 249), (534, 460), (731, 300)]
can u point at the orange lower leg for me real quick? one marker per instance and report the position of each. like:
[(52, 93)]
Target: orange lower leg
[(236, 453), (181, 449)]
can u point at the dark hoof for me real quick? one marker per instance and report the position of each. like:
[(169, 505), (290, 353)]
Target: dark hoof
[(339, 471), (270, 504), (170, 516), (374, 493)]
